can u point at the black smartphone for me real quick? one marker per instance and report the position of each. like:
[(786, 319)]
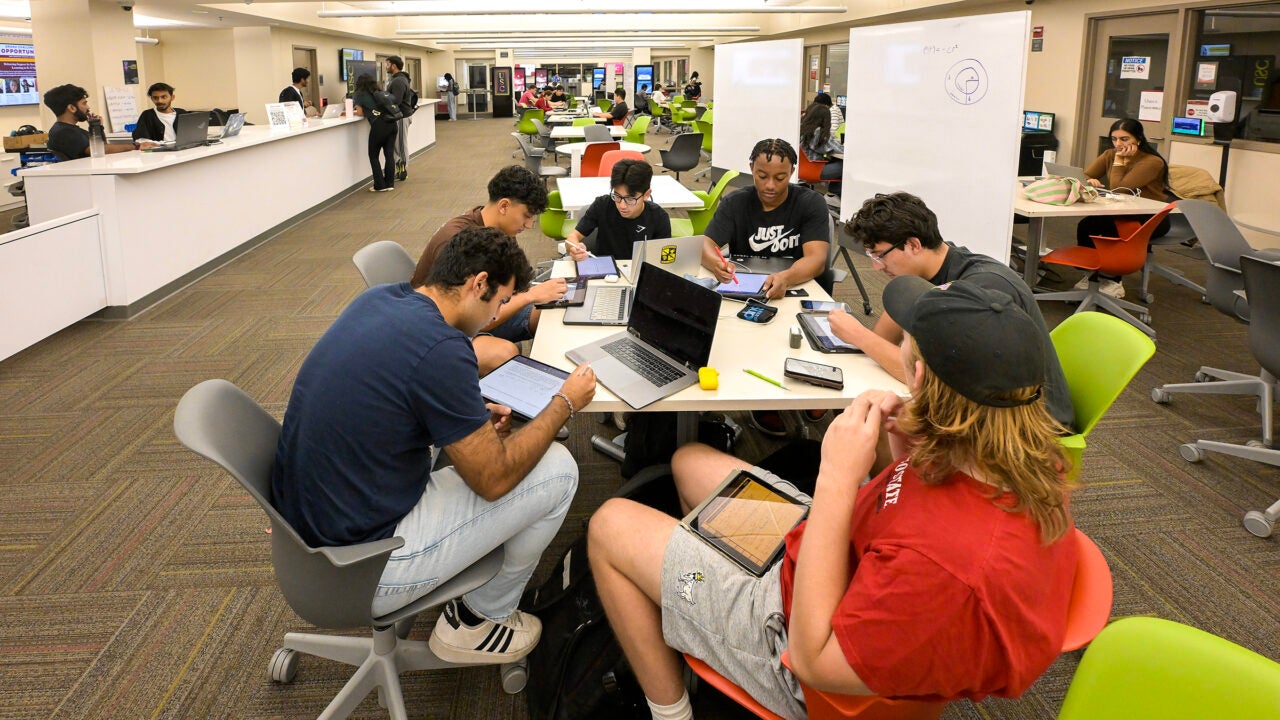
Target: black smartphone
[(757, 312), (822, 306), (814, 373), (797, 292), (575, 294)]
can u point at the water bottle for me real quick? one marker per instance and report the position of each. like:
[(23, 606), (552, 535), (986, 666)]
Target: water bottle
[(97, 139)]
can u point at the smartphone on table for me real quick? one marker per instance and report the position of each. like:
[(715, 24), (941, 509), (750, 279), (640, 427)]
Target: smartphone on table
[(814, 373), (822, 306)]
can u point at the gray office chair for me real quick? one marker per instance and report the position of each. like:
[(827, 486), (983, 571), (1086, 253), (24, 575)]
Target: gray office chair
[(1179, 232), (533, 159), (384, 262), (329, 587), (596, 133), (1262, 287), (685, 153)]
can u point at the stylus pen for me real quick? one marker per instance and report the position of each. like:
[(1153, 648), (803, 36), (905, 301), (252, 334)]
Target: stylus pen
[(584, 247), (733, 276), (765, 378)]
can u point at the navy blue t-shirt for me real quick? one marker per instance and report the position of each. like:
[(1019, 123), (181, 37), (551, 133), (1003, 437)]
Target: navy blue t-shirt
[(389, 379)]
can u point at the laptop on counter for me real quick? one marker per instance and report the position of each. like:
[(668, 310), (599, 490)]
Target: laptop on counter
[(668, 337), (1068, 171), (235, 123), (190, 130)]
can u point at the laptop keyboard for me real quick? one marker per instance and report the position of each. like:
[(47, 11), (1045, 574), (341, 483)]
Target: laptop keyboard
[(610, 303), (649, 366)]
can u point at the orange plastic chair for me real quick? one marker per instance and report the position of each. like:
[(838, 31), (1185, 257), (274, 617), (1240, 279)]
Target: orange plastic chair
[(1087, 614), (590, 166), (611, 158), (810, 171), (1110, 256)]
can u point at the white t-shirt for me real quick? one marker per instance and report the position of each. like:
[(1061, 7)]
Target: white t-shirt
[(167, 120)]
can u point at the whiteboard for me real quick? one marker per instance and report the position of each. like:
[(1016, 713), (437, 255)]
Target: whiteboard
[(757, 97), (935, 109), (122, 106)]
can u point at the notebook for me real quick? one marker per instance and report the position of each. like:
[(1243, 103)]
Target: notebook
[(668, 337)]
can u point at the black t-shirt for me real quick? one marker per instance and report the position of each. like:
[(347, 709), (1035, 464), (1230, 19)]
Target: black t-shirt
[(619, 112), (70, 140), (964, 264), (782, 232), (366, 103), (616, 233)]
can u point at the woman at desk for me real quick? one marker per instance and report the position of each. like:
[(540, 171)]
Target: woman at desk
[(1132, 165), (818, 143)]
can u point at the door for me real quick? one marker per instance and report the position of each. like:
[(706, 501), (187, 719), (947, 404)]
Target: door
[(1133, 61), (306, 58)]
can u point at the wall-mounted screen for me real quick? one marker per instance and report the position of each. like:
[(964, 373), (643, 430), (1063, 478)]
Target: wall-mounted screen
[(1215, 50), (597, 78), (644, 76), (18, 75), (346, 54), (1033, 121), (1188, 126), (540, 75), (517, 80)]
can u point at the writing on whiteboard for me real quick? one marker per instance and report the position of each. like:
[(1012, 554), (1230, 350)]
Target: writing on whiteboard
[(935, 50), (966, 81)]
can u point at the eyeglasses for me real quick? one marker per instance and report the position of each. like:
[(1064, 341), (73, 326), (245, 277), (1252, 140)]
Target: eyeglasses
[(878, 257), (628, 200)]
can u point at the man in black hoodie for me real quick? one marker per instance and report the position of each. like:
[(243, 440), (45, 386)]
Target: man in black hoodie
[(157, 124), (398, 85)]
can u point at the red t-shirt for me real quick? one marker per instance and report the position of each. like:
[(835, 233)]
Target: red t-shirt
[(952, 596), (542, 104)]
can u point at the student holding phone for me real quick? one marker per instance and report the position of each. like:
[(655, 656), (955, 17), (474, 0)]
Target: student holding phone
[(946, 576)]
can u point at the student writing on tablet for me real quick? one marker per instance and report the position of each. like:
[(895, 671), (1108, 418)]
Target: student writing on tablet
[(773, 219), (393, 376), (622, 217), (946, 576), (900, 235)]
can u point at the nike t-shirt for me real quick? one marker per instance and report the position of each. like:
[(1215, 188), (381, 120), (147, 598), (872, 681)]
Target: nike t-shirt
[(616, 233), (742, 222)]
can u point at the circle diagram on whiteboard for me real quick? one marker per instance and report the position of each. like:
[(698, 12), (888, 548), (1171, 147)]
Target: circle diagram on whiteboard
[(966, 81)]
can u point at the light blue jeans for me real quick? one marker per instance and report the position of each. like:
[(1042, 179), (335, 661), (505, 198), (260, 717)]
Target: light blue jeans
[(451, 528), (453, 104)]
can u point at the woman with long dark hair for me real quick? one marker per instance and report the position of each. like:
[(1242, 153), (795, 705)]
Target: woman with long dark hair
[(1132, 165), (451, 95), (818, 143), (382, 133)]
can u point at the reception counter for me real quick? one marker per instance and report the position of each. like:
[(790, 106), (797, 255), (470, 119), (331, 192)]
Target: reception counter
[(166, 218)]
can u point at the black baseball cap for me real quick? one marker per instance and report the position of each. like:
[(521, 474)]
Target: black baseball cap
[(977, 341)]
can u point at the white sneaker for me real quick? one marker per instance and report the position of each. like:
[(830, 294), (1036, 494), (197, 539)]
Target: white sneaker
[(489, 643), (1081, 284), (1111, 288)]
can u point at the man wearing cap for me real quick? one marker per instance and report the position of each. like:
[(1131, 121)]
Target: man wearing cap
[(946, 576), (900, 235)]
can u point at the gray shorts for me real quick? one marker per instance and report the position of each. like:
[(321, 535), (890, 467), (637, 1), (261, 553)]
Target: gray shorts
[(516, 327), (723, 615)]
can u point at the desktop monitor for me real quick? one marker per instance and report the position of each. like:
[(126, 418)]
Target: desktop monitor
[(1034, 121)]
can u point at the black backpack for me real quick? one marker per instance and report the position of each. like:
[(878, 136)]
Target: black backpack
[(409, 104), (385, 106), (578, 671)]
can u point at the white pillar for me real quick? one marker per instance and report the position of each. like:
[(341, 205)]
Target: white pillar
[(85, 43)]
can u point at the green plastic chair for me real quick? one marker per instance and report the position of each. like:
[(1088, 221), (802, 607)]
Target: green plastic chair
[(526, 125), (704, 127), (708, 116), (551, 221), (636, 133), (1100, 354), (604, 104), (1144, 668), (700, 218)]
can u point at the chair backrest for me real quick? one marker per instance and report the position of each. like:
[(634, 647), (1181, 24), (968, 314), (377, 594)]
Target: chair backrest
[(810, 171), (327, 587), (1223, 246), (382, 262), (1099, 354), (1092, 593), (590, 166), (700, 218), (611, 158), (685, 148), (1262, 287), (551, 221), (583, 122), (604, 104), (704, 127), (596, 133), (639, 127), (709, 115), (654, 108), (1128, 253), (1143, 668), (526, 126), (543, 130)]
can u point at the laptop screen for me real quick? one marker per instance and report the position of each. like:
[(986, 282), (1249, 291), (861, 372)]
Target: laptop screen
[(674, 315), (191, 128)]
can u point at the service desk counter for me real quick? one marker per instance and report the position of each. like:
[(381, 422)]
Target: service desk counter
[(168, 217)]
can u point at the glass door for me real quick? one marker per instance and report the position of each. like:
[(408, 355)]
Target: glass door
[(1133, 74)]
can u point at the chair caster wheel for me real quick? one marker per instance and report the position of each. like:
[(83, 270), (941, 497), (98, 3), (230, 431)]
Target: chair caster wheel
[(1201, 377), (1190, 452), (514, 676), (284, 665), (1161, 396), (1258, 524), (1148, 298)]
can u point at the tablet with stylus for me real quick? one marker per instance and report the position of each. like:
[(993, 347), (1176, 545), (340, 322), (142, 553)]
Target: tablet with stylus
[(747, 519)]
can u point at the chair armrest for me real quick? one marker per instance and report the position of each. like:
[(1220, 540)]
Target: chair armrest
[(1228, 268), (347, 555), (702, 195)]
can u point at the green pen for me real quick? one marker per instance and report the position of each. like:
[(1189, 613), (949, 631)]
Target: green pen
[(765, 378)]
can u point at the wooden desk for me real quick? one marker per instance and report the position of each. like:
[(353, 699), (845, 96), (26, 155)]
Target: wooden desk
[(738, 345), (578, 132), (578, 193), (1037, 213)]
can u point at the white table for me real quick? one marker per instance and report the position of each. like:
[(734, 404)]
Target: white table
[(575, 151), (578, 132), (567, 118), (1037, 213), (738, 345), (578, 193)]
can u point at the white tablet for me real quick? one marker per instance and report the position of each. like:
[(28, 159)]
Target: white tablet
[(522, 384)]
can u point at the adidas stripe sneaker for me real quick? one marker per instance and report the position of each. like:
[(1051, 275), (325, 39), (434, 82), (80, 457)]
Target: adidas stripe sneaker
[(489, 643)]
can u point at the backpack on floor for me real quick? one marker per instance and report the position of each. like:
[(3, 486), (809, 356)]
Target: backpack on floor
[(385, 107), (578, 671), (651, 438)]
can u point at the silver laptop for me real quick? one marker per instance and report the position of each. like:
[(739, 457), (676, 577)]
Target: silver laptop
[(332, 110), (611, 304), (668, 337), (1070, 171), (235, 123), (682, 256)]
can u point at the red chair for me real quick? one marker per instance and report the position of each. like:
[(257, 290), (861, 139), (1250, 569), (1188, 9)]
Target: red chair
[(611, 158), (1087, 614), (810, 171), (1111, 256), (590, 165)]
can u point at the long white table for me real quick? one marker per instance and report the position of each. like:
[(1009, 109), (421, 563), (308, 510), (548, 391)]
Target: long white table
[(738, 345), (579, 192), (575, 151), (1037, 213), (578, 132)]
